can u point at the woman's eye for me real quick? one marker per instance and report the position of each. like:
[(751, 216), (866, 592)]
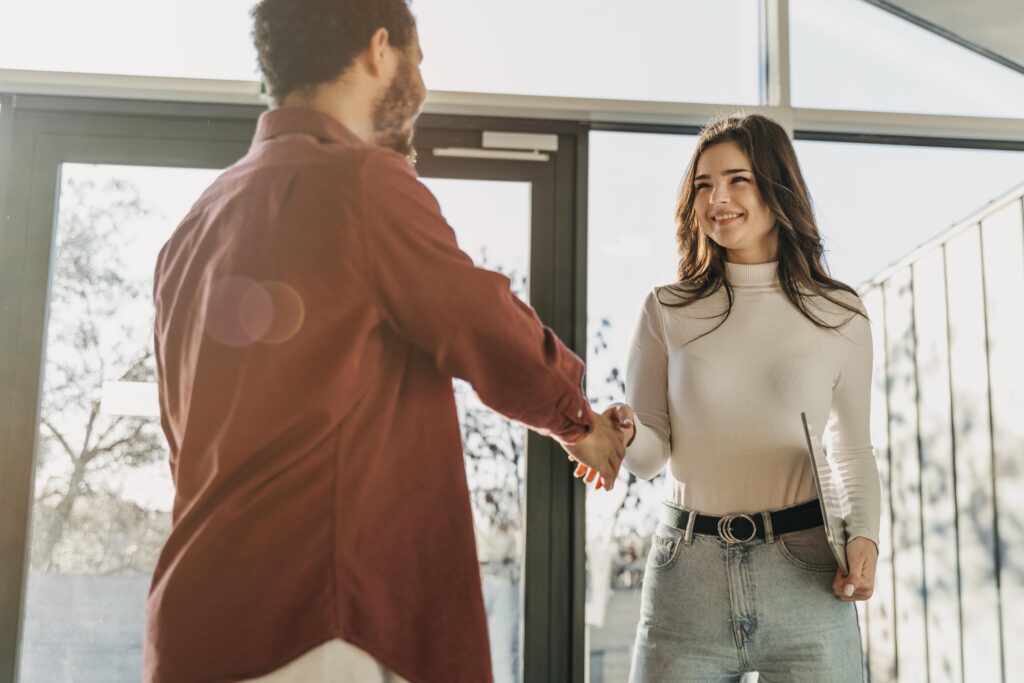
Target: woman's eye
[(740, 178), (702, 186)]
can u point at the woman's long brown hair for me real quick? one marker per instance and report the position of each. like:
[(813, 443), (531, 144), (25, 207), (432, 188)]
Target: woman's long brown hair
[(801, 267)]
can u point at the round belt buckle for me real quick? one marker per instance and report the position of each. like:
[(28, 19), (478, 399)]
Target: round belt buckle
[(725, 528)]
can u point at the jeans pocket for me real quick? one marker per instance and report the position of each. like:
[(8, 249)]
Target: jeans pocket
[(664, 547), (808, 549)]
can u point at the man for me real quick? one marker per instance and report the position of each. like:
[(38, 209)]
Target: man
[(312, 309)]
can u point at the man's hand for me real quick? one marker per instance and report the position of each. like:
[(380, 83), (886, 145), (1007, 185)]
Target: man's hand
[(621, 416), (600, 453), (862, 556)]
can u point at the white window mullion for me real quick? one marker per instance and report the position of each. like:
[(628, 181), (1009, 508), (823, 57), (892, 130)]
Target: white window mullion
[(117, 86), (909, 125), (625, 112), (775, 15)]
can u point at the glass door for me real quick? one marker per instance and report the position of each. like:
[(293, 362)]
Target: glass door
[(501, 205), (492, 221)]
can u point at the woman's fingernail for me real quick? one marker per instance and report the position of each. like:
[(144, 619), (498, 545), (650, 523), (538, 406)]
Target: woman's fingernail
[(848, 591)]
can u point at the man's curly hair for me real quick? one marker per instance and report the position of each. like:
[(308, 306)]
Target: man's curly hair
[(304, 43)]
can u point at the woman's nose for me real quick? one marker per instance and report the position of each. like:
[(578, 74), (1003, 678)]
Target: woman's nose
[(719, 194)]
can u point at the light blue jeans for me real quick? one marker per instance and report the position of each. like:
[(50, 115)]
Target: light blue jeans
[(713, 611)]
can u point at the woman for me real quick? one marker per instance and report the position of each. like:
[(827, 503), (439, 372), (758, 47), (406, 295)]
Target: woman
[(723, 362)]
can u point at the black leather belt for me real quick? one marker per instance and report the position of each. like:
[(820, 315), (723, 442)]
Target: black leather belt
[(743, 528)]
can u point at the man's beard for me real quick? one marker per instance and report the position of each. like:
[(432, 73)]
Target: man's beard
[(395, 112)]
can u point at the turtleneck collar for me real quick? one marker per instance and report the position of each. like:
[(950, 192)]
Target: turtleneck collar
[(752, 275)]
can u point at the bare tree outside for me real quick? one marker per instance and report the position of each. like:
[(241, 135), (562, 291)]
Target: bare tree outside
[(82, 523), (494, 451)]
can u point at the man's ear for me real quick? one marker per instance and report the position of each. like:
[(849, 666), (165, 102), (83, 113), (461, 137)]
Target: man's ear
[(377, 51)]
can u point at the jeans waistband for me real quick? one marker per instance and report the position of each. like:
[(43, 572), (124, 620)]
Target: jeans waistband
[(744, 527)]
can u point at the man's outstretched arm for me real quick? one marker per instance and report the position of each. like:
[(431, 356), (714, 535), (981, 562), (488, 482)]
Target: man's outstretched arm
[(468, 319)]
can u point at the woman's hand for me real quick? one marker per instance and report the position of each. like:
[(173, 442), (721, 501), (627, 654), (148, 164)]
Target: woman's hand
[(621, 416), (862, 556)]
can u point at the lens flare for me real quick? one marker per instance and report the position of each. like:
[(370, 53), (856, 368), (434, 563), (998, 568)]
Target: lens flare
[(242, 312), (289, 312)]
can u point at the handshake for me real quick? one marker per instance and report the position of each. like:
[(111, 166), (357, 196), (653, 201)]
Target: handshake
[(599, 455)]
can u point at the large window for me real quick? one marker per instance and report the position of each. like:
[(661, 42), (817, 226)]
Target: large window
[(648, 50), (876, 203), (613, 49), (183, 39), (846, 54)]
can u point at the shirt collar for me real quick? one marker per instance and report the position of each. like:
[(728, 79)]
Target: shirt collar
[(285, 120), (752, 275)]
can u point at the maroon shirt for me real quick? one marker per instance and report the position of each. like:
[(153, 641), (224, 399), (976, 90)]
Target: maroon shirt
[(311, 311)]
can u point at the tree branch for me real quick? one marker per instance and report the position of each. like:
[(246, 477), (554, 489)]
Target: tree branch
[(93, 414), (107, 448), (115, 423), (60, 438)]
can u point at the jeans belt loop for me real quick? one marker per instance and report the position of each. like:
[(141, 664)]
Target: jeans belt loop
[(769, 534), (688, 537)]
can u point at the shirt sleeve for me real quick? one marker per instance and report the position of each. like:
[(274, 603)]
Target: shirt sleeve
[(466, 318), (647, 393), (851, 431)]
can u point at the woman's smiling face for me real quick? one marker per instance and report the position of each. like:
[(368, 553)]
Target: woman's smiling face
[(729, 206)]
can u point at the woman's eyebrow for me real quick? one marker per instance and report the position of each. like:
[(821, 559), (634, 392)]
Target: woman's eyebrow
[(731, 171)]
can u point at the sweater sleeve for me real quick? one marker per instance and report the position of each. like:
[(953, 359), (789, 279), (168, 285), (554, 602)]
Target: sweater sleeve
[(466, 318), (647, 393), (851, 431)]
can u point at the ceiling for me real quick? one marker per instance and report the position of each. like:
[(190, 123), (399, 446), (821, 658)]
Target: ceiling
[(994, 28)]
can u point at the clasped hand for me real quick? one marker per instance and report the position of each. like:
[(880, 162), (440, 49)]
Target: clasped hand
[(601, 452), (859, 584)]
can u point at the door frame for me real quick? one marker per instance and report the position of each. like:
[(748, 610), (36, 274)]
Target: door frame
[(553, 580)]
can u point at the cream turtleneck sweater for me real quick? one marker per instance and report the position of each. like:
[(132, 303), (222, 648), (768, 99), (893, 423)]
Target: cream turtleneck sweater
[(724, 410)]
